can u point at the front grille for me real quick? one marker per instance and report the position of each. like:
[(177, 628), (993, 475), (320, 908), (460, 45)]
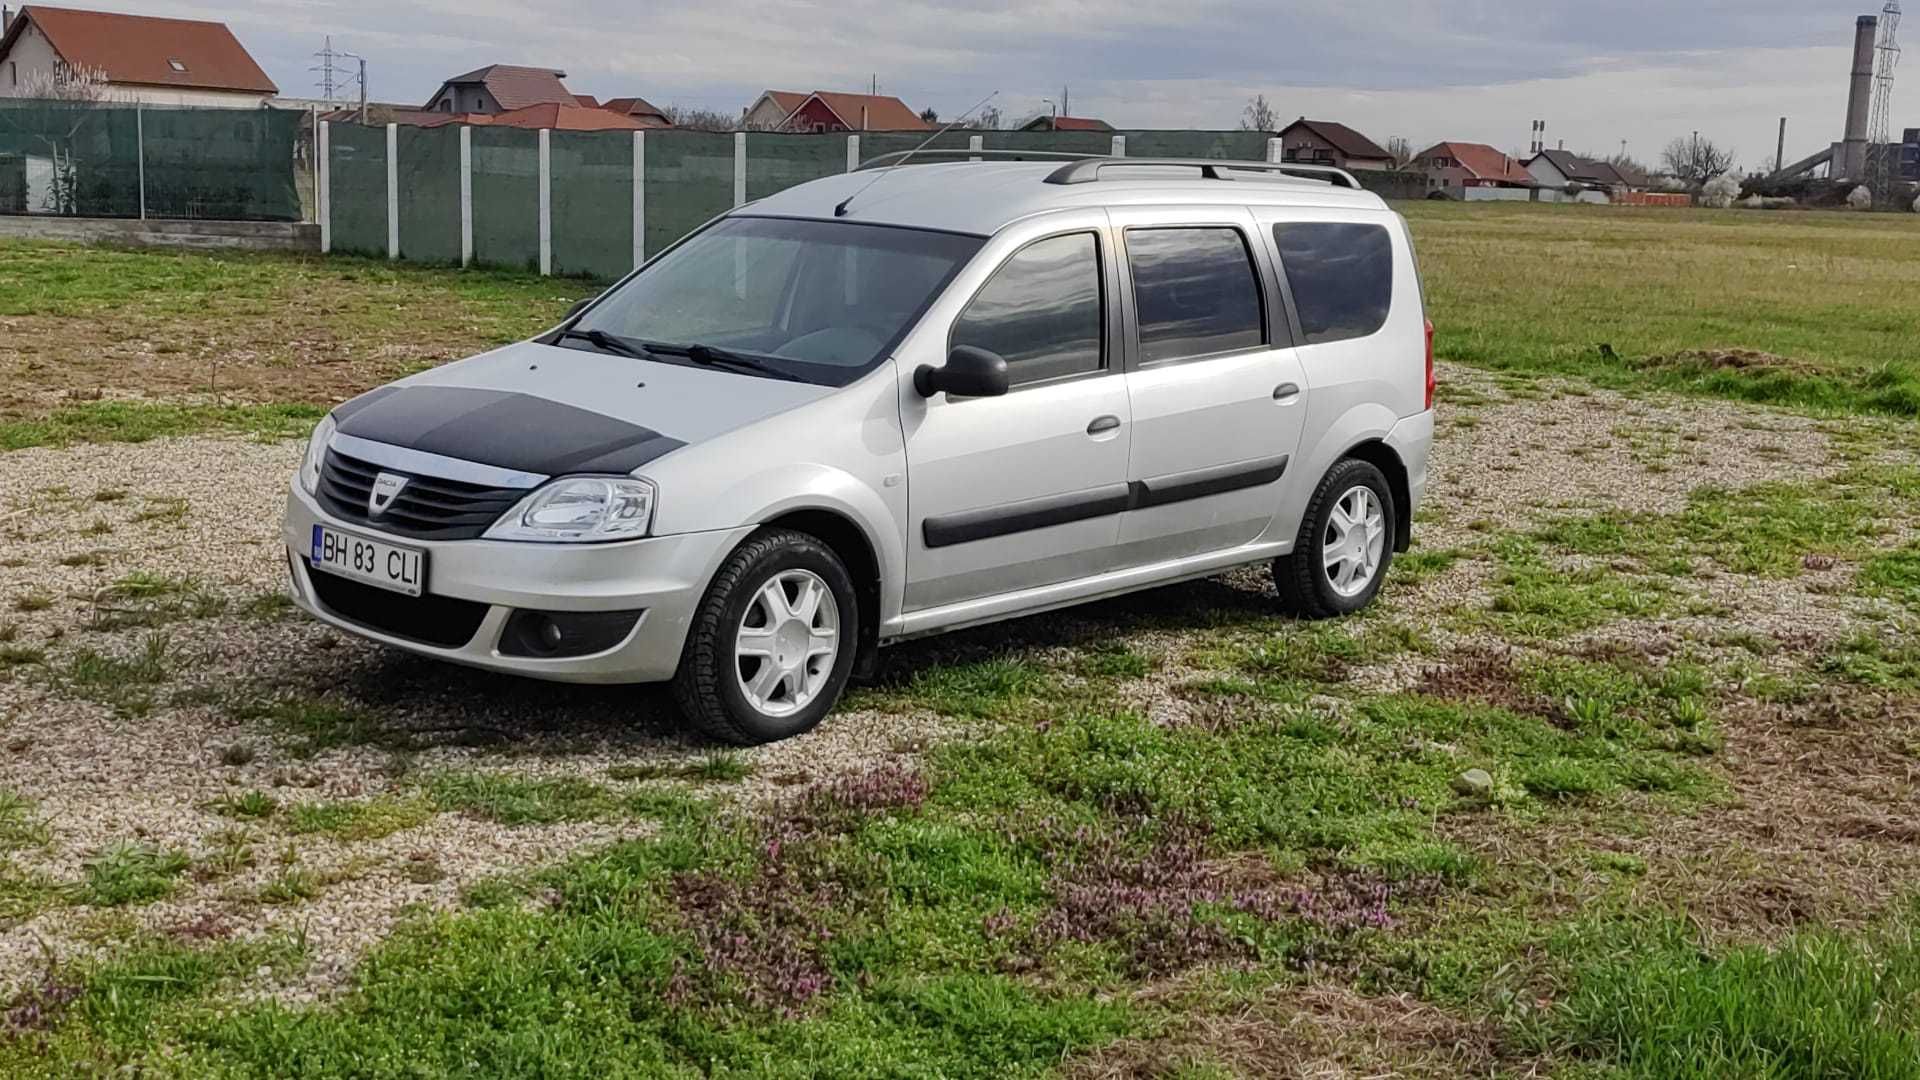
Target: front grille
[(428, 508), (430, 619)]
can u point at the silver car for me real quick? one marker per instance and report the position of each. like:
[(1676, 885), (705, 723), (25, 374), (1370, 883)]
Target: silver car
[(889, 404)]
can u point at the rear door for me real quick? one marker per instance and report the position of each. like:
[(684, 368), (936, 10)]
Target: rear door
[(1026, 490), (1216, 390)]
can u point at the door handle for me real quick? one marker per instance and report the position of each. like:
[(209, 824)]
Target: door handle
[(1103, 424), (1286, 391)]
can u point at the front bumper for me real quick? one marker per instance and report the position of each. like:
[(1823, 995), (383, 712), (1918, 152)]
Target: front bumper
[(663, 577)]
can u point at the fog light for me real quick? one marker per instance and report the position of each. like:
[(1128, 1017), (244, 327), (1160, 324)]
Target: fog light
[(555, 634)]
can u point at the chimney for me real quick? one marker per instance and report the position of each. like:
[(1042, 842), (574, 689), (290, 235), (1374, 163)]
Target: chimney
[(1851, 160), (6, 18)]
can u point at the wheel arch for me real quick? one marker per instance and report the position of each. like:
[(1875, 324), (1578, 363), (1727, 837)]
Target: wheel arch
[(856, 550), (1381, 456)]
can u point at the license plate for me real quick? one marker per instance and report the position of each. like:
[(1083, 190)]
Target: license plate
[(380, 564)]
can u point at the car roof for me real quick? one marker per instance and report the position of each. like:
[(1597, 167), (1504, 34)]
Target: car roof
[(983, 197)]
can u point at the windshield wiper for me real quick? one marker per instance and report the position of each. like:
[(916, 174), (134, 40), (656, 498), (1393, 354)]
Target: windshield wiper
[(606, 342), (712, 357)]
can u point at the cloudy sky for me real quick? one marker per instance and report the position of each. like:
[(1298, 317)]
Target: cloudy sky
[(1598, 71)]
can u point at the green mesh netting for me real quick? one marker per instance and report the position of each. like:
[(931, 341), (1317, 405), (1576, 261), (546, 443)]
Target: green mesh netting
[(689, 180), (357, 188), (1071, 142), (1231, 145), (83, 159), (875, 144), (776, 162), (68, 158), (506, 197), (221, 164), (429, 187), (592, 203)]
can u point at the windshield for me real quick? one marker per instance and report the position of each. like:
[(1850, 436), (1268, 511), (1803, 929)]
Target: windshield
[(822, 301)]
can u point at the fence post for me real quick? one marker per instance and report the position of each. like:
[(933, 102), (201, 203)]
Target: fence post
[(853, 153), (140, 148), (323, 197), (1274, 151), (546, 201), (739, 168), (393, 191), (1119, 146), (466, 195), (639, 197), (976, 142)]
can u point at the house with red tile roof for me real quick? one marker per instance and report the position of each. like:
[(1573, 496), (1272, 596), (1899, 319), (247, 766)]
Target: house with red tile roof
[(1065, 123), (499, 88), (827, 110), (138, 58), (638, 109), (1327, 142), (1455, 167), (553, 115)]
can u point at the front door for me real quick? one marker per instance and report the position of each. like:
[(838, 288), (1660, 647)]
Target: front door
[(1025, 490), (1216, 390)]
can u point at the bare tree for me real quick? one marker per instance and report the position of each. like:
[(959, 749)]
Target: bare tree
[(1696, 160), (1259, 116), (987, 119), (1401, 151), (79, 90), (701, 119), (79, 85)]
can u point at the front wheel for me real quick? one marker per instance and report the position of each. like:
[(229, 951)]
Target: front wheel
[(772, 642), (1344, 547)]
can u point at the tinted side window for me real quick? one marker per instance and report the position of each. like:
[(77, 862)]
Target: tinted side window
[(1196, 291), (1041, 310), (1341, 276)]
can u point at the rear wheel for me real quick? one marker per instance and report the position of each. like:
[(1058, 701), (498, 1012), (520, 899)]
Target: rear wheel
[(772, 642), (1345, 544)]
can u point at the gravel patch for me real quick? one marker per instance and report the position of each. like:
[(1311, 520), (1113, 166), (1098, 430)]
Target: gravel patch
[(206, 511), (1504, 460)]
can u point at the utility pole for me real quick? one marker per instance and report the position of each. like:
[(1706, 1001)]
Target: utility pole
[(1065, 102), (1780, 153), (363, 90)]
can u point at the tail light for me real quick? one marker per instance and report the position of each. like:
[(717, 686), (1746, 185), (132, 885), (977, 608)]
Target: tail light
[(1430, 379)]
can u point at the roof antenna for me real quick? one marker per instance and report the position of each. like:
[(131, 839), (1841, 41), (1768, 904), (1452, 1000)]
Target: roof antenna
[(841, 210)]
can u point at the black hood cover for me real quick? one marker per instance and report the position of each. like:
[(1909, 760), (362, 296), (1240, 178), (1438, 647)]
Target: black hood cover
[(498, 427)]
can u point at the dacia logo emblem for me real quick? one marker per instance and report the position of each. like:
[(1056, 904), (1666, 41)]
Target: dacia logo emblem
[(386, 488)]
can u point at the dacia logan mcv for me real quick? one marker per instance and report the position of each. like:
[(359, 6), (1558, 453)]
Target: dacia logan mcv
[(889, 404)]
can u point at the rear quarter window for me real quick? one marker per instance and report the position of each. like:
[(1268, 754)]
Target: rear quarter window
[(1341, 275)]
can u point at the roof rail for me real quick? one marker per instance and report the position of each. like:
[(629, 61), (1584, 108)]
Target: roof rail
[(1088, 171), (889, 160)]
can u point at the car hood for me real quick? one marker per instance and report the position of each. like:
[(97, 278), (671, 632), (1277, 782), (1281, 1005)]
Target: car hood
[(549, 410)]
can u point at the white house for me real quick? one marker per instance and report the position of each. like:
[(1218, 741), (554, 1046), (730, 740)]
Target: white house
[(139, 58)]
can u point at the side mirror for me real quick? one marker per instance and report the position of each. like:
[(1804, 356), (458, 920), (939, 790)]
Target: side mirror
[(969, 372), (580, 306)]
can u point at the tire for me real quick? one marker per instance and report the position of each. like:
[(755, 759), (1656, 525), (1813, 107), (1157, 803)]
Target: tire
[(721, 667), (1309, 588)]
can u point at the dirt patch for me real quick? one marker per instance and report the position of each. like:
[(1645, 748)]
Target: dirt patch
[(1817, 827), (1312, 1033), (1732, 360), (48, 362), (1490, 678)]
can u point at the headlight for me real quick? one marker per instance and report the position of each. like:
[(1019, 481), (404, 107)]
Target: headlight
[(582, 509), (316, 454)]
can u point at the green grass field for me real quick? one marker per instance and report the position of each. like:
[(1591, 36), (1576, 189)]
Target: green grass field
[(1678, 296), (1576, 798)]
